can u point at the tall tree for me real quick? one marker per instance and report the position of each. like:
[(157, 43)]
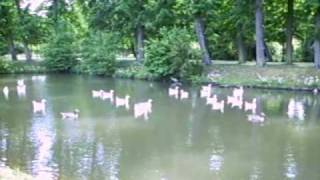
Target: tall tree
[(200, 10), (240, 14), (260, 46), (316, 45), (22, 33), (8, 23), (289, 32)]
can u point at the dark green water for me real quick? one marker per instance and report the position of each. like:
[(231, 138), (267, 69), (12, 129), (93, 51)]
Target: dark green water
[(181, 140)]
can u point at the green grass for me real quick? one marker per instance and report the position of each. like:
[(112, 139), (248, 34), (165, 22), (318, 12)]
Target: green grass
[(274, 75)]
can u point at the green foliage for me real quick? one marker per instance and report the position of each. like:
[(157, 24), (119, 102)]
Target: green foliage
[(170, 55), (19, 67), (98, 54), (61, 51), (134, 72)]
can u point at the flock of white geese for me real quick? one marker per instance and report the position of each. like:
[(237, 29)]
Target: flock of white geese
[(144, 109)]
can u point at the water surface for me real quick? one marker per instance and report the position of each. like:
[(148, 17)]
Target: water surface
[(182, 139)]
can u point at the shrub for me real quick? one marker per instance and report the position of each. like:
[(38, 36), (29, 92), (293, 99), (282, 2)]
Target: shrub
[(98, 54), (172, 55), (60, 54), (7, 67), (4, 66)]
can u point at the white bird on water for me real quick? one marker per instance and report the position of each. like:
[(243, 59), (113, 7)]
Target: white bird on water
[(123, 102), (184, 94), (21, 87), (238, 92), (251, 106), (255, 118), (143, 109), (218, 106), (70, 115), (97, 94), (107, 95), (205, 91), (6, 92), (39, 106), (174, 92)]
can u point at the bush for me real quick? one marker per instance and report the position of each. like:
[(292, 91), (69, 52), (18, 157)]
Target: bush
[(60, 54), (172, 55), (98, 54), (7, 67)]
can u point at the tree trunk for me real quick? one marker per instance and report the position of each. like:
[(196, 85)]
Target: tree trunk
[(140, 43), (133, 49), (199, 26), (268, 54), (316, 44), (12, 49), (27, 52), (242, 50), (260, 49), (283, 52), (289, 32)]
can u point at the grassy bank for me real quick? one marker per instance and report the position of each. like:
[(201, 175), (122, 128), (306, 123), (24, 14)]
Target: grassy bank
[(301, 76), (7, 173)]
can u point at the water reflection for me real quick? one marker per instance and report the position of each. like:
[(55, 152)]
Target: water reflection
[(290, 165), (217, 149)]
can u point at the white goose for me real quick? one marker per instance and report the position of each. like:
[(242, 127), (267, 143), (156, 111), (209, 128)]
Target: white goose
[(211, 100), (21, 87), (235, 102), (96, 94), (205, 91), (70, 115), (255, 118), (39, 106), (123, 101), (238, 92), (107, 95), (21, 90), (39, 77), (174, 92), (206, 88), (6, 91), (251, 106), (143, 109), (20, 82), (184, 94), (218, 106)]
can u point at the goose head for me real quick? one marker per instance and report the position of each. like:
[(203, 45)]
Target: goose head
[(43, 100), (76, 111), (127, 97), (150, 101)]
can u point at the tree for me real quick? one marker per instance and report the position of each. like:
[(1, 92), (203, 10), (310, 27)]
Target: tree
[(199, 10), (316, 45), (8, 21), (289, 32), (260, 45)]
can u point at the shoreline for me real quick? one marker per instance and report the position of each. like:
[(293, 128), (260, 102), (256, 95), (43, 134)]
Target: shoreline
[(221, 74)]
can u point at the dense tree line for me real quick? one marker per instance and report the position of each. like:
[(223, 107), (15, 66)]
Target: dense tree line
[(260, 30)]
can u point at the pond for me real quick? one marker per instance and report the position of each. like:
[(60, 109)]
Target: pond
[(181, 139)]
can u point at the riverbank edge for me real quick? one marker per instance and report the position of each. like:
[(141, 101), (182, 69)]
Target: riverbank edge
[(216, 75)]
